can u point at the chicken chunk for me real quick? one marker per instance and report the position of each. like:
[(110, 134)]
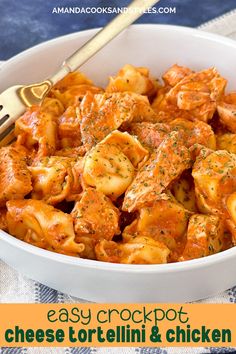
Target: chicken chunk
[(199, 93), (152, 134), (204, 236), (95, 218), (42, 225), (15, 181), (164, 166), (149, 134), (197, 132), (138, 250), (175, 74), (195, 97), (102, 113)]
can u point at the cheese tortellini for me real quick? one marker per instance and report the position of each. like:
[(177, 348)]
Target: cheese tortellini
[(154, 221), (214, 176), (108, 169), (54, 179), (37, 129), (134, 79), (42, 225), (15, 181), (138, 250), (129, 145), (227, 142)]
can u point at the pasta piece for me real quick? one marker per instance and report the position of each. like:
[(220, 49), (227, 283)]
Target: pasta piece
[(149, 134), (77, 171), (157, 103), (72, 79), (37, 129), (226, 142), (165, 221), (89, 246), (231, 227), (15, 181), (74, 94), (196, 132), (142, 110), (129, 145), (133, 79), (139, 250), (108, 169), (231, 206), (53, 179), (42, 225), (214, 177), (102, 113), (227, 111), (204, 236), (69, 128), (164, 166), (72, 88), (184, 192), (166, 111), (3, 219), (175, 74), (52, 106)]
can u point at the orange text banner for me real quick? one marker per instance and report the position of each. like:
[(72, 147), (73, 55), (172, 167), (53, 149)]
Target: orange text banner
[(81, 325)]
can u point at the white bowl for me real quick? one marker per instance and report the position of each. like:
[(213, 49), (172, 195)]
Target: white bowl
[(157, 47)]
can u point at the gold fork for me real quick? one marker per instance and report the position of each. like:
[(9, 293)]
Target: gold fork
[(15, 100)]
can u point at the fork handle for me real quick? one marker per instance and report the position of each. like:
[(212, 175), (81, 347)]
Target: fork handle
[(104, 36)]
